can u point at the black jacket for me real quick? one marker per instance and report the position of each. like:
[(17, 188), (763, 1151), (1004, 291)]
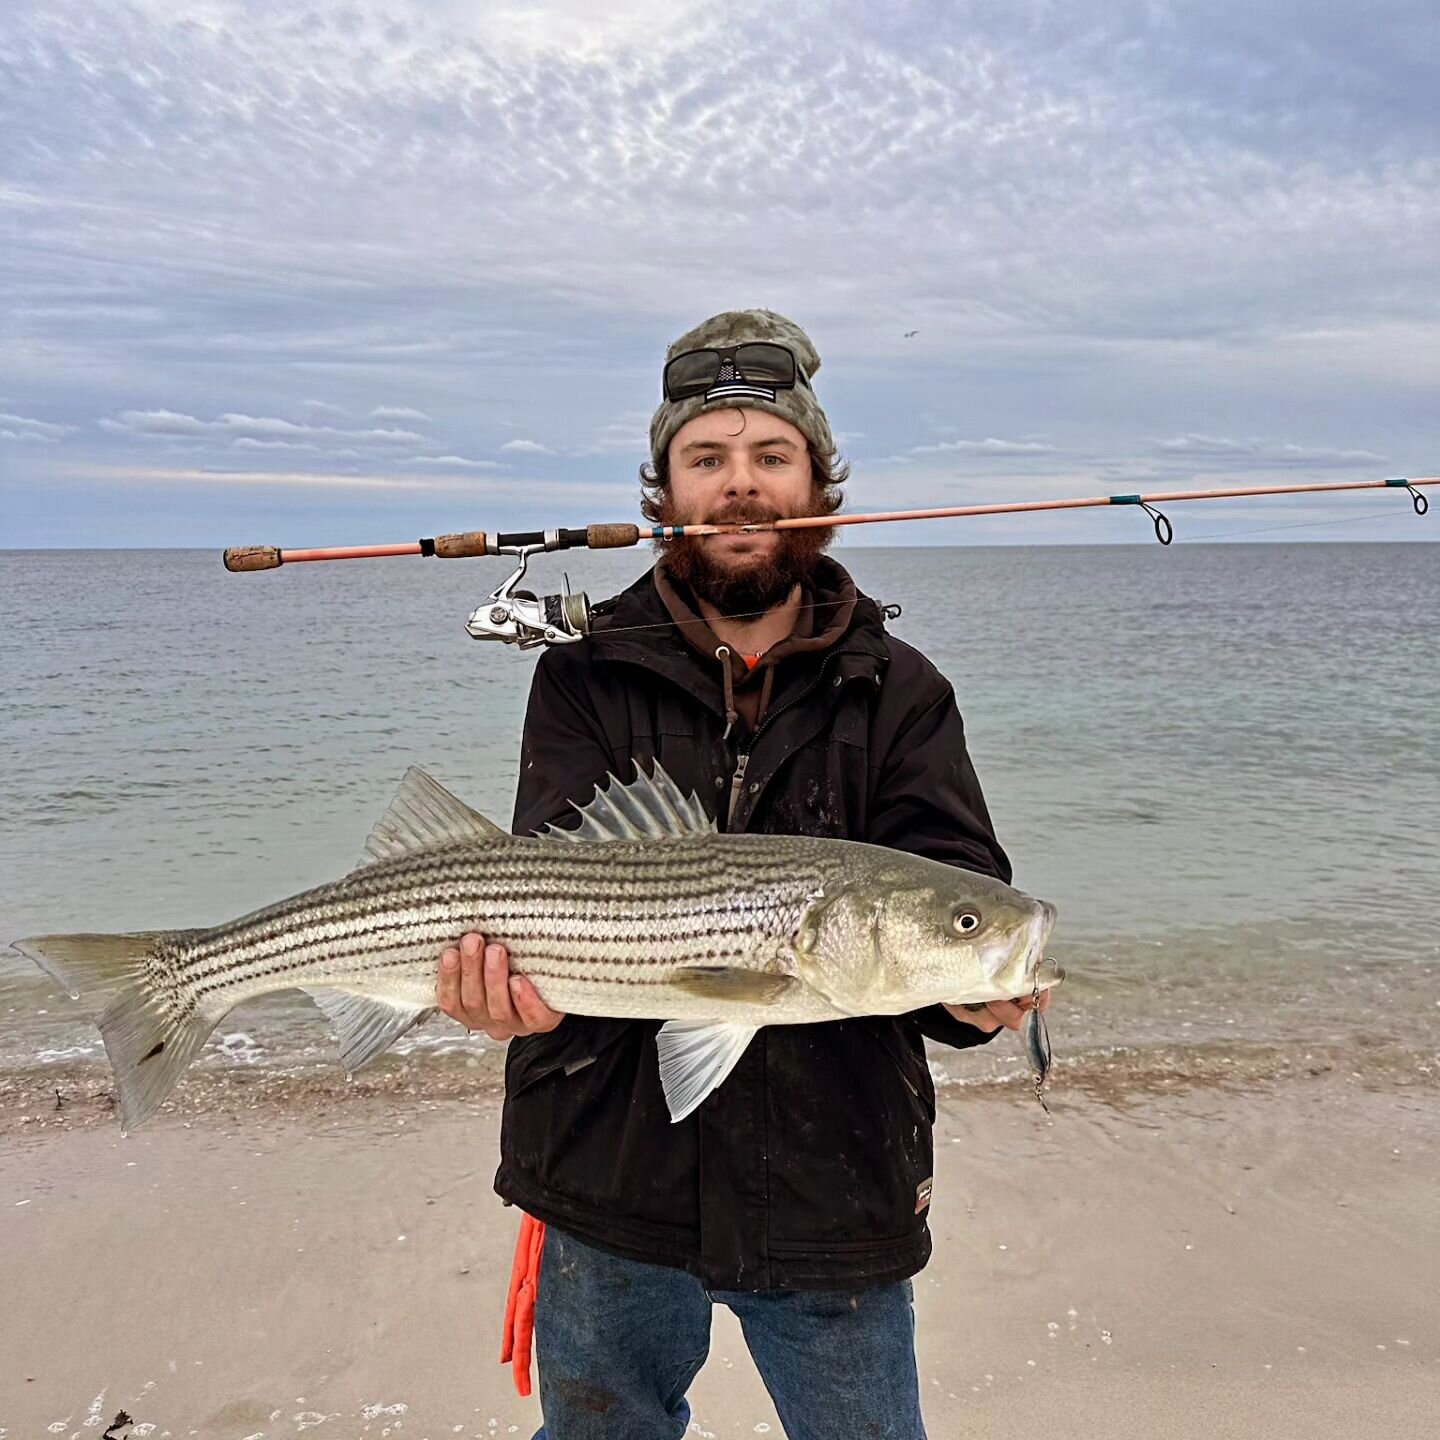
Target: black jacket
[(811, 1165)]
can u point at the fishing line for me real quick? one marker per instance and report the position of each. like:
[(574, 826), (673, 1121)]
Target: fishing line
[(1298, 525)]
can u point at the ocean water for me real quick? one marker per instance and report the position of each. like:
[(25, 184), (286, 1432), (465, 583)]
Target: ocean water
[(1222, 763)]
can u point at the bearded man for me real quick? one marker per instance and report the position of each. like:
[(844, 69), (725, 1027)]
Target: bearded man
[(755, 672)]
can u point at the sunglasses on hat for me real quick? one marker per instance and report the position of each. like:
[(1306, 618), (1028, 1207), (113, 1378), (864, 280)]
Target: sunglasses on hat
[(755, 370)]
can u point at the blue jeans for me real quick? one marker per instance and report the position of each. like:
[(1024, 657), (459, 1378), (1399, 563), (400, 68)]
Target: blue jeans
[(618, 1342)]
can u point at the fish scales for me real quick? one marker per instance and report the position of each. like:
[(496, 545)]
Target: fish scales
[(634, 908), (450, 878)]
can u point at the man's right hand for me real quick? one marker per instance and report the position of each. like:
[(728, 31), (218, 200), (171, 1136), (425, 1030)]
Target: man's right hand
[(476, 988)]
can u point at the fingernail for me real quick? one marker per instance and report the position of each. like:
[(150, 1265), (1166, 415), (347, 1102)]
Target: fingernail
[(449, 961), (492, 954), (515, 986), (470, 944)]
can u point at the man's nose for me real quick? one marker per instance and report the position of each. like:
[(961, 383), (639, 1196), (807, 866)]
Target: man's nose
[(744, 479)]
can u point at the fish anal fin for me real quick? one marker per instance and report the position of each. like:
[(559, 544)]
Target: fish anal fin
[(365, 1026), (695, 1058), (721, 982), (424, 814), (650, 807)]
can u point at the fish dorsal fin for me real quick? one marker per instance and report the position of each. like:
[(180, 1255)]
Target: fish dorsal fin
[(650, 807), (424, 813)]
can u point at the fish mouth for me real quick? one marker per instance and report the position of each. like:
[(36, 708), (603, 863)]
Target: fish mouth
[(1020, 964), (1041, 971), (1048, 916)]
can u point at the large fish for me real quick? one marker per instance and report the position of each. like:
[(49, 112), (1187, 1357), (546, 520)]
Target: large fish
[(644, 911)]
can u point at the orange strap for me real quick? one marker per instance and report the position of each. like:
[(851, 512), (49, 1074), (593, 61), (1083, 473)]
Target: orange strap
[(516, 1343)]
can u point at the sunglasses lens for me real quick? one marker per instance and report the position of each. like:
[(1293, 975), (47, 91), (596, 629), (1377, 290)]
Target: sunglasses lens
[(691, 374), (764, 364)]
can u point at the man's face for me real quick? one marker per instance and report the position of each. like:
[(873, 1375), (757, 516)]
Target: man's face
[(738, 465)]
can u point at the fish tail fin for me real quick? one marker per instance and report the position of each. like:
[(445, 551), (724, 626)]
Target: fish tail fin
[(80, 964), (150, 1038)]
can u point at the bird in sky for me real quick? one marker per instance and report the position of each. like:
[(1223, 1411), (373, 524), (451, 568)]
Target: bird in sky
[(909, 333)]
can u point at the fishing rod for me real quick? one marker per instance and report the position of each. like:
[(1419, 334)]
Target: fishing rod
[(519, 617)]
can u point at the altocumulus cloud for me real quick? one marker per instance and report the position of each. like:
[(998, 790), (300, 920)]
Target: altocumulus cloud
[(1096, 223), (247, 427), (22, 428), (1213, 449)]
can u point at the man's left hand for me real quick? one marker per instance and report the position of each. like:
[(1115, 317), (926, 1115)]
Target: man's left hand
[(1009, 1013)]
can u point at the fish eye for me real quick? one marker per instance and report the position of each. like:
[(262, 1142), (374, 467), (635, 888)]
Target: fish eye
[(966, 920)]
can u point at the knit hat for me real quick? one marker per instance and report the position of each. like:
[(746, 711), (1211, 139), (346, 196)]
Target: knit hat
[(798, 404)]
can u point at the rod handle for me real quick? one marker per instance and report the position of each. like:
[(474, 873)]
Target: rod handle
[(460, 546), (252, 557), (611, 537)]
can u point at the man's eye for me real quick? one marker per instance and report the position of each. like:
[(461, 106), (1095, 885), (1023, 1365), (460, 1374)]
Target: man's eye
[(778, 459)]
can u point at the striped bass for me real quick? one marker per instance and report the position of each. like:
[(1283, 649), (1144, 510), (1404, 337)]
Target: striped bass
[(644, 911)]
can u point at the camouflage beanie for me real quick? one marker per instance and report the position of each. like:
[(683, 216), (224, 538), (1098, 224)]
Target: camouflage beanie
[(798, 404)]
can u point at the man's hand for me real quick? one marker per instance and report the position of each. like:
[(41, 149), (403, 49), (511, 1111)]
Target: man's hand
[(476, 988), (1009, 1013)]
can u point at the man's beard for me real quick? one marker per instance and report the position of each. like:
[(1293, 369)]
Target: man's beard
[(758, 584)]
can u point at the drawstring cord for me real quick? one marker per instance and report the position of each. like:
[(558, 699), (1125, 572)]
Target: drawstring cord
[(722, 654)]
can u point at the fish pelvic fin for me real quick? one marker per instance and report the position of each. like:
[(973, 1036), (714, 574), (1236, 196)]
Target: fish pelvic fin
[(424, 814), (364, 1026), (150, 1037), (695, 1058)]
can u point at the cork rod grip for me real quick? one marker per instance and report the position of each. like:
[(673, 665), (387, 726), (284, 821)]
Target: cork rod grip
[(460, 546), (240, 558), (611, 537)]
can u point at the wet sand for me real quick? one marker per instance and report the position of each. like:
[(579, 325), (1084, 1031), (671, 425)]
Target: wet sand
[(1224, 1260)]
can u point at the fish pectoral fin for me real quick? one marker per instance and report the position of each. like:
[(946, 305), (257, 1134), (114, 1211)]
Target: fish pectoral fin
[(423, 814), (723, 982), (364, 1026), (695, 1058)]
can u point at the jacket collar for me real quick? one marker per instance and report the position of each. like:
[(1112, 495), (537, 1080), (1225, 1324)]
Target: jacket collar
[(640, 631)]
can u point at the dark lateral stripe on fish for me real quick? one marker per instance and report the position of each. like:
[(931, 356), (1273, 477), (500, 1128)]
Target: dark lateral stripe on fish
[(393, 931), (481, 895), (411, 911), (397, 924), (641, 879)]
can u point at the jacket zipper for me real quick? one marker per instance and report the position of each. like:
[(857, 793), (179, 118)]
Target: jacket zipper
[(737, 784), (742, 757)]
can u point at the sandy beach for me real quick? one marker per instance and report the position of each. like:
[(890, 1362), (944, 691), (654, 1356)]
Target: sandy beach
[(1243, 1260)]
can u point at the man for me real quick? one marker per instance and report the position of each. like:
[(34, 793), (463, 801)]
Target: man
[(756, 673)]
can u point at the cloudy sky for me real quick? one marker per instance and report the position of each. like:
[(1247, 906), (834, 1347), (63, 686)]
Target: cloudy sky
[(307, 274)]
